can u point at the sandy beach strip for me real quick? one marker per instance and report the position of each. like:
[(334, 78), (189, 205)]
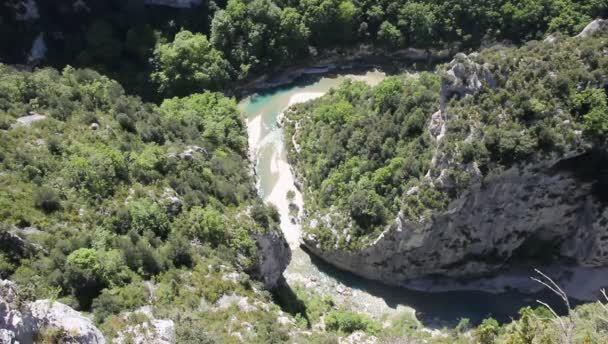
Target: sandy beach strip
[(302, 97), (254, 132)]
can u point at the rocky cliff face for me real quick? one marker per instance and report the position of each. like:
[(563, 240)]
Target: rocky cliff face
[(515, 216), (23, 323), (547, 212)]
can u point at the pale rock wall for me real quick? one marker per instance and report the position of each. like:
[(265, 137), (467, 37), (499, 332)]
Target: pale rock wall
[(482, 230), (20, 322)]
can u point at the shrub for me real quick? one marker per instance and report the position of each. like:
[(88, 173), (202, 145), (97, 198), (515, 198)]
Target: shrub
[(148, 215), (46, 199), (126, 122), (487, 332), (348, 322)]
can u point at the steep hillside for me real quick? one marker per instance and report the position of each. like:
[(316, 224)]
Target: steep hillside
[(109, 204), (495, 159)]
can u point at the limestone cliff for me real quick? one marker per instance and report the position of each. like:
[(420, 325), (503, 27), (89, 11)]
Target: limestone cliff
[(24, 322)]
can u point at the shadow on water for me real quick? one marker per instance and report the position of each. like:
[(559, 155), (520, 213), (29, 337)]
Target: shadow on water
[(438, 309)]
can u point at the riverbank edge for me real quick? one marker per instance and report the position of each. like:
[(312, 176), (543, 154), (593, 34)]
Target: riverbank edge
[(342, 60)]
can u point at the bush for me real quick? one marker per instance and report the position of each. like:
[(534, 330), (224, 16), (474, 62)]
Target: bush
[(83, 276), (148, 215), (348, 322), (46, 199), (487, 332), (126, 122), (116, 300)]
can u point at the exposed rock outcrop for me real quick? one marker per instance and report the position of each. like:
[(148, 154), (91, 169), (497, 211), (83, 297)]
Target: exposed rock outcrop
[(545, 207), (26, 121), (464, 76), (21, 322), (593, 28), (157, 331), (272, 258)]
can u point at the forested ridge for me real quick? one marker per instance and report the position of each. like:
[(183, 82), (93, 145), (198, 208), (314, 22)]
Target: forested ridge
[(236, 39)]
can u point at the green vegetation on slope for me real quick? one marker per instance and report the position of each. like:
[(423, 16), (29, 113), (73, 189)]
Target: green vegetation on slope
[(369, 152), (109, 192)]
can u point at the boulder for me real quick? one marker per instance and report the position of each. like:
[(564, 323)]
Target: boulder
[(189, 152), (76, 327), (273, 256), (21, 322), (593, 28)]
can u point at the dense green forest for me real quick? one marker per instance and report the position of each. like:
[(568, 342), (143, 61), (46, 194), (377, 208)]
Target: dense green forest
[(371, 153), (129, 41)]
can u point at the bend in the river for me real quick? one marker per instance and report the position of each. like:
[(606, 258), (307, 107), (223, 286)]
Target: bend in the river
[(275, 179)]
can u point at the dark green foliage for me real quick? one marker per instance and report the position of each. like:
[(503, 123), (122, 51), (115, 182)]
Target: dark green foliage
[(125, 122), (250, 37), (46, 199)]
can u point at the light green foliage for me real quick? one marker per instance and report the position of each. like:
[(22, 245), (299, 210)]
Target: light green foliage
[(347, 322), (85, 259), (487, 332), (291, 195), (389, 35), (148, 216), (206, 224), (189, 64), (215, 116), (96, 170)]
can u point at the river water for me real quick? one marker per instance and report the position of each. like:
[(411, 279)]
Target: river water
[(275, 179)]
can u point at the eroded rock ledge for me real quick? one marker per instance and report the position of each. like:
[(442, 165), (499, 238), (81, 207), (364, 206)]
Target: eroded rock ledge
[(540, 211)]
